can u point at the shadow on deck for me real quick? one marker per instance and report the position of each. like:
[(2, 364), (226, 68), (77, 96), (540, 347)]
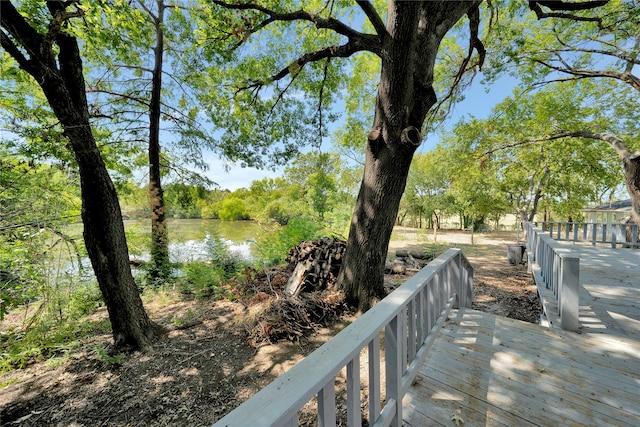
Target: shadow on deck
[(486, 370)]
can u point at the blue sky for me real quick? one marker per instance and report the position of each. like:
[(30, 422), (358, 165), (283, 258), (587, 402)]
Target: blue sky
[(477, 103)]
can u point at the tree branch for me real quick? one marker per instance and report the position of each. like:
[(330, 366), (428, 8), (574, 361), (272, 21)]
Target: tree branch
[(619, 52), (474, 44), (564, 6), (294, 67), (528, 141), (369, 10), (618, 145), (299, 15), (28, 38), (570, 5), (13, 50), (625, 77)]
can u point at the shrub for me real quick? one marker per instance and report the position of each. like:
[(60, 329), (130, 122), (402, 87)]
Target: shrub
[(273, 248), (202, 280)]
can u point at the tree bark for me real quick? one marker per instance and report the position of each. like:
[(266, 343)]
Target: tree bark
[(61, 78), (410, 44), (159, 267)]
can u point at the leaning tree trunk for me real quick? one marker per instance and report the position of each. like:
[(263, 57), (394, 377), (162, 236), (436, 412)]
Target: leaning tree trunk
[(58, 71), (107, 247), (410, 45), (383, 182)]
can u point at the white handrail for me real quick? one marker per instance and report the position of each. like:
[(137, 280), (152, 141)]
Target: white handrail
[(614, 234), (410, 317), (557, 267)]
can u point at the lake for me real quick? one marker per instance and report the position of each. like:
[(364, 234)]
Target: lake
[(190, 239)]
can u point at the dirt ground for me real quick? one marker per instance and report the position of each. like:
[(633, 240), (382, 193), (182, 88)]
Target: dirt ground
[(205, 366)]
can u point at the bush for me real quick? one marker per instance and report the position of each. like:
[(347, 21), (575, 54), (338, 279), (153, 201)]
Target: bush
[(233, 209), (202, 280), (273, 248)]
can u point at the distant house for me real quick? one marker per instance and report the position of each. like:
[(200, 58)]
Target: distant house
[(608, 213)]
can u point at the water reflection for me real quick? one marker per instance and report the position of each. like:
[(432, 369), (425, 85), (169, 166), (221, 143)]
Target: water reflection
[(194, 239)]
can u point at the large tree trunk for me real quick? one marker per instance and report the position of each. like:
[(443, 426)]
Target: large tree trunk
[(159, 267), (107, 247), (61, 78), (405, 95)]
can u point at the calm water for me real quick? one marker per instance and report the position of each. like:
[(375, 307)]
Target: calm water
[(190, 239)]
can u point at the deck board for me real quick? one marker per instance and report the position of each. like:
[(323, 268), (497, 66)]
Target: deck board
[(609, 290), (491, 371)]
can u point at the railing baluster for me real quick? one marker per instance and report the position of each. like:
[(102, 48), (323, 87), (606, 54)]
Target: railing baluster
[(393, 363), (411, 332), (327, 406), (431, 302), (420, 318), (354, 413), (374, 379)]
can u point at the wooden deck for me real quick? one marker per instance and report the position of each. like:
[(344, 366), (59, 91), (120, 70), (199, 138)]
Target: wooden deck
[(609, 291), (486, 370)]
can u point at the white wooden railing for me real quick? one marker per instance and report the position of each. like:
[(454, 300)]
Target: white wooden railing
[(614, 234), (409, 319), (559, 269)]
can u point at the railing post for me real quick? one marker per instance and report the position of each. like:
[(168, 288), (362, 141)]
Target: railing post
[(374, 380), (569, 300), (614, 239)]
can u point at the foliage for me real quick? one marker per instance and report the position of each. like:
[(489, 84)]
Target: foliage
[(46, 340), (232, 209), (202, 280), (211, 278), (507, 159), (36, 250), (274, 247)]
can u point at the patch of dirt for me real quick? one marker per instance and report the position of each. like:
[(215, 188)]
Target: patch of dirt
[(504, 290), (205, 366)]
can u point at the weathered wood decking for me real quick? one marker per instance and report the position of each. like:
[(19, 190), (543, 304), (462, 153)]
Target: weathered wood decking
[(489, 370), (486, 370)]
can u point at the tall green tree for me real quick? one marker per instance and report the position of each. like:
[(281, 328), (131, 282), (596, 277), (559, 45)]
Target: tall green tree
[(406, 46), (568, 46), (428, 187), (513, 152), (407, 38), (134, 50), (39, 41)]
